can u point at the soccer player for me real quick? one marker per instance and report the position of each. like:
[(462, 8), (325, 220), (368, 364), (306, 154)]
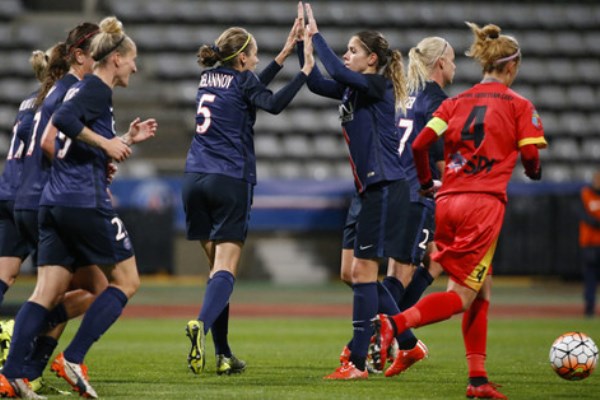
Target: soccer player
[(430, 68), (220, 172), (589, 242), (13, 248), (78, 225), (68, 62), (484, 129), (370, 84)]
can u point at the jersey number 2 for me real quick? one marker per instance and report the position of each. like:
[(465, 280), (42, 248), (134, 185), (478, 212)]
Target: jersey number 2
[(474, 127), (205, 112)]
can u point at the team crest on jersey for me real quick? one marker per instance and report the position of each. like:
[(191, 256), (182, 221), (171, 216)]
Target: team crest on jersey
[(457, 161), (536, 120)]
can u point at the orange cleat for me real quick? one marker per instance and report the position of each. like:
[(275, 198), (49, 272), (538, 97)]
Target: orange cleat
[(345, 355), (384, 335), (17, 388), (406, 358), (76, 375), (347, 372), (485, 391)]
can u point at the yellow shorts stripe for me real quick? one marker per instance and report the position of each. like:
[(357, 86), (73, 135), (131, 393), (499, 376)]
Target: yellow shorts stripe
[(477, 277)]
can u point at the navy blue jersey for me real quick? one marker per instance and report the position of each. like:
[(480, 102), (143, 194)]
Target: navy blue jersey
[(36, 167), (367, 114), (419, 111), (226, 102), (78, 177), (11, 176)]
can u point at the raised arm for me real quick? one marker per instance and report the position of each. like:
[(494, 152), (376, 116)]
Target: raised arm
[(267, 75), (330, 60)]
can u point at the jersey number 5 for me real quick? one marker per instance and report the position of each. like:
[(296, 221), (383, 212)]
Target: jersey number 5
[(474, 127), (205, 112)]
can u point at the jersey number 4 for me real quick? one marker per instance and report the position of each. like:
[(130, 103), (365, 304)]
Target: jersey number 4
[(205, 112), (474, 127)]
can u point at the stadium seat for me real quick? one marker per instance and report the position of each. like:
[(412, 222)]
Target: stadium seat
[(268, 145), (582, 97), (10, 9), (558, 172), (565, 149), (590, 149), (575, 123)]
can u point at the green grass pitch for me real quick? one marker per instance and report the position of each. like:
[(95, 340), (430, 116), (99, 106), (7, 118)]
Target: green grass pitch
[(287, 358)]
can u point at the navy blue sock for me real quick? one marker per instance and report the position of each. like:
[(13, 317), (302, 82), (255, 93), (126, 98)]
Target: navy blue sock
[(29, 321), (3, 289), (57, 316), (390, 306), (364, 309), (218, 292), (387, 304), (103, 312), (42, 351), (420, 281), (394, 287), (219, 330)]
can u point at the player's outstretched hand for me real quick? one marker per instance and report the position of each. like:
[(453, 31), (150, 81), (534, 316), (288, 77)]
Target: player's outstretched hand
[(140, 131), (309, 58), (290, 43), (311, 25), (300, 18)]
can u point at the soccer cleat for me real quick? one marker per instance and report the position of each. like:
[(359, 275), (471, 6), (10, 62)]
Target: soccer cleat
[(6, 332), (373, 363), (485, 391), (384, 335), (17, 388), (345, 355), (230, 365), (40, 386), (406, 358), (195, 332), (76, 375), (347, 372)]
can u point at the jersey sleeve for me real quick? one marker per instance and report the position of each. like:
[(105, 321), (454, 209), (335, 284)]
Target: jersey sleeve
[(336, 68), (261, 97), (85, 105), (529, 126), (269, 73), (437, 99)]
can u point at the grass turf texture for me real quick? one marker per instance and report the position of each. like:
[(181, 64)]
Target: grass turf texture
[(287, 358)]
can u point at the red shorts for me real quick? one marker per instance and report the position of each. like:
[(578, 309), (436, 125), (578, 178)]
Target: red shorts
[(467, 229)]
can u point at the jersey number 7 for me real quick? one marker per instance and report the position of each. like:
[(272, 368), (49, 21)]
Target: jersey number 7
[(474, 127)]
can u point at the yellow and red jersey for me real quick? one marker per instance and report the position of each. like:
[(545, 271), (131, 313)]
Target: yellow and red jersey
[(486, 126), (589, 236)]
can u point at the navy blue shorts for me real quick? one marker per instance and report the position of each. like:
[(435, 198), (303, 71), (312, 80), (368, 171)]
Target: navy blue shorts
[(421, 226), (74, 237), (12, 244), (349, 235), (217, 207), (27, 225), (381, 228)]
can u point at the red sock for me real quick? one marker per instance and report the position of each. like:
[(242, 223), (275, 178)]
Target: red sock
[(431, 308), (474, 328)]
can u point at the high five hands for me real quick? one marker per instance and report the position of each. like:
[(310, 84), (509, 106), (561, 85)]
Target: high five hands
[(309, 59)]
